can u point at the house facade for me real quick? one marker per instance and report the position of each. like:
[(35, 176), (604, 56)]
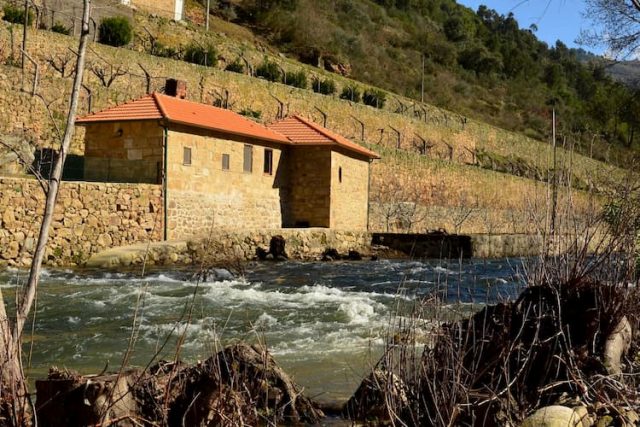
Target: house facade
[(221, 170), (170, 9)]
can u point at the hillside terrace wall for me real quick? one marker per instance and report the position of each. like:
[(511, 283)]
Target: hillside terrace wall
[(203, 83), (89, 217), (491, 191)]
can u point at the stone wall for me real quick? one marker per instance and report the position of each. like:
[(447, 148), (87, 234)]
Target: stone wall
[(203, 195), (349, 191), (89, 217), (310, 177), (123, 152)]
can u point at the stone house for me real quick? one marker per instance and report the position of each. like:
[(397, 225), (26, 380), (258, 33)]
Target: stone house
[(171, 9), (220, 169)]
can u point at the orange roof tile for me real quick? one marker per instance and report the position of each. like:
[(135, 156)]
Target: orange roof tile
[(157, 106), (304, 132)]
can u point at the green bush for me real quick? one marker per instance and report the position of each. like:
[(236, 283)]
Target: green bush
[(61, 29), (323, 86), (201, 55), (375, 98), (15, 15), (296, 79), (115, 31), (269, 70), (254, 114), (235, 67), (159, 49), (351, 93)]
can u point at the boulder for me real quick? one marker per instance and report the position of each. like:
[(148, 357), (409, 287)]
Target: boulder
[(617, 344), (558, 416), (277, 248), (16, 154)]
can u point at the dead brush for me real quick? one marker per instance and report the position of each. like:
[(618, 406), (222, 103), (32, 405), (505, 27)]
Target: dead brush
[(567, 339)]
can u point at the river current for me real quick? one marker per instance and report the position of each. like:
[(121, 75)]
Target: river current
[(325, 323)]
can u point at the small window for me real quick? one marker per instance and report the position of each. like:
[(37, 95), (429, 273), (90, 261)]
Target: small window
[(268, 161), (340, 174), (225, 162), (186, 156), (248, 158)]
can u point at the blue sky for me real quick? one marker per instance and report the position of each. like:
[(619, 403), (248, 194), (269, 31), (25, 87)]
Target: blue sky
[(556, 19)]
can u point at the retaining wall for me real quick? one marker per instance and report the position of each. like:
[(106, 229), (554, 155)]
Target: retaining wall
[(89, 217)]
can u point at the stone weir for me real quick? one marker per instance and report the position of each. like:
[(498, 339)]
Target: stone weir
[(224, 247), (228, 246)]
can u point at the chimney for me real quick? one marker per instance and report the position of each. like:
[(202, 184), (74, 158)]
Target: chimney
[(177, 88)]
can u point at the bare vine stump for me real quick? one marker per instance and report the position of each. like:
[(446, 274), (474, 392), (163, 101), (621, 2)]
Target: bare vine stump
[(379, 395), (65, 399), (240, 385), (243, 384)]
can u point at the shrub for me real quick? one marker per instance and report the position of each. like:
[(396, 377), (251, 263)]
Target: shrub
[(15, 15), (324, 86), (269, 70), (351, 93), (201, 55), (254, 114), (115, 31), (375, 98), (297, 79), (235, 67), (159, 49), (61, 29)]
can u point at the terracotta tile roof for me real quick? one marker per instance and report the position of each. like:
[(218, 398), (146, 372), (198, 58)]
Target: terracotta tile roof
[(157, 106), (144, 108), (304, 132)]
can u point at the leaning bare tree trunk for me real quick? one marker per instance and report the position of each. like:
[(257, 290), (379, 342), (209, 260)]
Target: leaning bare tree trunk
[(25, 302), (54, 183)]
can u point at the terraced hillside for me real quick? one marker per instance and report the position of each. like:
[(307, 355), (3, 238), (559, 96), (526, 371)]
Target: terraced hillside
[(436, 170)]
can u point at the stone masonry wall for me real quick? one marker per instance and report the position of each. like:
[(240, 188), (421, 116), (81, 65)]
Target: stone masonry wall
[(89, 218), (123, 152), (203, 195), (349, 192)]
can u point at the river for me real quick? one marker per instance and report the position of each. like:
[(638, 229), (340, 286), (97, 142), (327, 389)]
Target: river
[(325, 323)]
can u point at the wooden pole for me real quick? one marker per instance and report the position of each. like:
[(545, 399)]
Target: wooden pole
[(24, 32), (554, 184), (422, 89), (206, 17)]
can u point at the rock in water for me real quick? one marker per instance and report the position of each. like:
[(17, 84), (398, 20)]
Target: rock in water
[(277, 248)]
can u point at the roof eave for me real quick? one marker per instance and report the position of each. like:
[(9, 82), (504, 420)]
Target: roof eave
[(228, 132), (85, 121)]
